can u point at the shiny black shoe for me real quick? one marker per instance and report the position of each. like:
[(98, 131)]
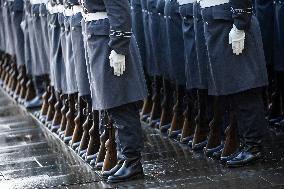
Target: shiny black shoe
[(243, 158), (210, 152), (98, 166), (280, 124), (174, 134), (130, 170), (273, 121), (34, 103), (153, 123), (199, 146), (165, 128), (217, 155), (106, 174), (186, 140)]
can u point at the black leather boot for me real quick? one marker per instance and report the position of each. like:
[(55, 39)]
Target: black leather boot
[(131, 169)]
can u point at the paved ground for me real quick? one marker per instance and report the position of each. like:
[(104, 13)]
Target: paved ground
[(31, 157)]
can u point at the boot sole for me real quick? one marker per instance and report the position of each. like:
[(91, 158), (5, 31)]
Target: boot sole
[(134, 177)]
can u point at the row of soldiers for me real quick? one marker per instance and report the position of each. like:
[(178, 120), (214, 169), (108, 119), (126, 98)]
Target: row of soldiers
[(212, 83), (204, 66), (80, 63)]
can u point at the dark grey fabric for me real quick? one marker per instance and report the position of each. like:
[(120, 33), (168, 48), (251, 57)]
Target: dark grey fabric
[(85, 39), (265, 14), (35, 65), (8, 27), (230, 73), (191, 64), (108, 90), (128, 126), (27, 48), (156, 36), (138, 28), (149, 64), (279, 36), (250, 115), (175, 43), (44, 32), (56, 57), (79, 55), (69, 59), (18, 36), (2, 28), (63, 47), (201, 49), (42, 65)]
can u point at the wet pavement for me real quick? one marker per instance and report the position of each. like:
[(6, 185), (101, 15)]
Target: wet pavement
[(32, 157)]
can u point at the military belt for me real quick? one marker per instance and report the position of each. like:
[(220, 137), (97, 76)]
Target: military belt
[(184, 2), (68, 12), (34, 2), (59, 9), (95, 16), (211, 3), (77, 8)]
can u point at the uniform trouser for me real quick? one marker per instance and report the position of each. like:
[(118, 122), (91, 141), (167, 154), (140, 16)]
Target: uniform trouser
[(49, 44), (7, 33), (200, 44), (250, 115), (63, 47), (69, 59), (27, 47), (56, 58), (2, 37), (35, 60), (79, 55), (83, 24), (44, 36), (40, 45), (128, 129), (18, 36)]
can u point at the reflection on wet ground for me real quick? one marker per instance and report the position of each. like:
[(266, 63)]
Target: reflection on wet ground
[(32, 157)]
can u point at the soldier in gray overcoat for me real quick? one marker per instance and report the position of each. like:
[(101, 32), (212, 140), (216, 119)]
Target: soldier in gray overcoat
[(237, 69), (117, 79)]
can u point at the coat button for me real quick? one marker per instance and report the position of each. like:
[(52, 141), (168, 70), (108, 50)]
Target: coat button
[(89, 36)]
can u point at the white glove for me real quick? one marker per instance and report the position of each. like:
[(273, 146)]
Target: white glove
[(117, 62), (237, 40)]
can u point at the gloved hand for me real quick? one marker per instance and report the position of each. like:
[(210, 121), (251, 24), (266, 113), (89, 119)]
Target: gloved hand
[(237, 40), (117, 62)]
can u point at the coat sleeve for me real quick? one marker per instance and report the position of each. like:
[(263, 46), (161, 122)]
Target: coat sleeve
[(242, 12), (120, 25)]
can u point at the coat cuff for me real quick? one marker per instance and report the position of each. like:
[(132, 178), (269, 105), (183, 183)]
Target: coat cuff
[(120, 41), (242, 18)]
